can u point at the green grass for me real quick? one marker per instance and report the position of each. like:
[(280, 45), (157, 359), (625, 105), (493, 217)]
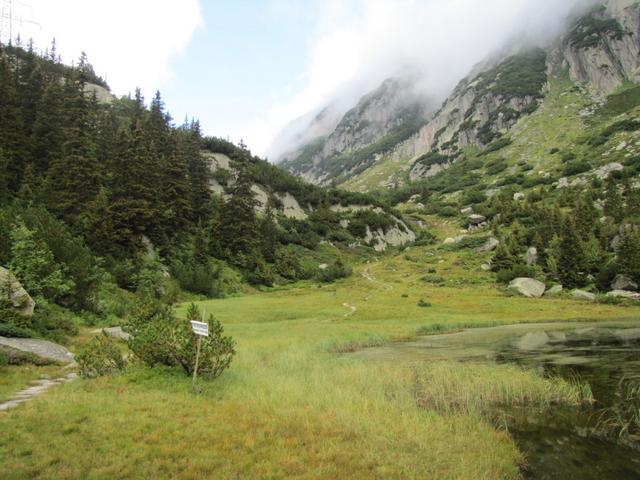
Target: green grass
[(291, 407)]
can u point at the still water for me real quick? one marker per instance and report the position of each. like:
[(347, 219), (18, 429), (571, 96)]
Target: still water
[(559, 442)]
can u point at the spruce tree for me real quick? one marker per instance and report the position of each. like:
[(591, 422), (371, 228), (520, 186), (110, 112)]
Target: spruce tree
[(571, 259), (613, 206), (628, 257), (74, 179)]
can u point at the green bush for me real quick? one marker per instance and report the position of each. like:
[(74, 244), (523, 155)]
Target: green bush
[(575, 167), (334, 272), (423, 303), (517, 271), (100, 357), (433, 279), (158, 337)]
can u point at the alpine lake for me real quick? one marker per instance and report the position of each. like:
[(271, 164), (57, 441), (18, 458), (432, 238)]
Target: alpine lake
[(592, 441)]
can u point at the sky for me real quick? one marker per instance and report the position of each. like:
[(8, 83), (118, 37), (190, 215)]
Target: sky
[(246, 68)]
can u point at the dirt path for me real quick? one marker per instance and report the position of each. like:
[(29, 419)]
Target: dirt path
[(352, 307), (370, 278), (37, 388)]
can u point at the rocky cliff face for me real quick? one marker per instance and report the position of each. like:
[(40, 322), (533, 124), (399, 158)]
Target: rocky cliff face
[(600, 51), (603, 48)]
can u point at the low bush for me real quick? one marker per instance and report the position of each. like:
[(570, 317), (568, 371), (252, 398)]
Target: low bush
[(433, 279), (423, 303), (158, 337), (517, 271), (100, 357), (575, 167)]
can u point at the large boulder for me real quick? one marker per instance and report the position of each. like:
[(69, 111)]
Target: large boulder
[(13, 292), (528, 287), (41, 348), (490, 245), (624, 294), (582, 295), (624, 282), (476, 219)]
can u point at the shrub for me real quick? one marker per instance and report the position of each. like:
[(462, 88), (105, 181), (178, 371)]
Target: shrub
[(425, 238), (447, 211), (101, 357), (338, 270), (158, 337), (423, 303), (506, 275), (575, 167), (433, 279), (216, 350)]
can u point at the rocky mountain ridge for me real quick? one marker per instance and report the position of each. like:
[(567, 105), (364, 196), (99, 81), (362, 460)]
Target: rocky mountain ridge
[(600, 52)]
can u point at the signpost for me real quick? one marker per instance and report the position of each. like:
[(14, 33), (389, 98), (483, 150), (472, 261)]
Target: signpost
[(200, 329)]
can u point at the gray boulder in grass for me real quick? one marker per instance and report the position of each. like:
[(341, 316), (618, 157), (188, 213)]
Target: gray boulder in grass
[(582, 295), (528, 287), (13, 292), (624, 282)]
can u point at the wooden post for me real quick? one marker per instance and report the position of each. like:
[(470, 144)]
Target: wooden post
[(195, 370)]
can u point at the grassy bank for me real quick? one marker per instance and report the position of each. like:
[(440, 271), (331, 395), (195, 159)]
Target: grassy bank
[(290, 407)]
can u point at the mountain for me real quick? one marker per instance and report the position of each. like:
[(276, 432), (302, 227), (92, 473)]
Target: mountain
[(597, 55), (383, 118)]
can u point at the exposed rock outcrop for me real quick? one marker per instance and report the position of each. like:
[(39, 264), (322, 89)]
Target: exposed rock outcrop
[(13, 292), (603, 48)]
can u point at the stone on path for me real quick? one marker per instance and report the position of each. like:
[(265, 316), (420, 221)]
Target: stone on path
[(115, 332)]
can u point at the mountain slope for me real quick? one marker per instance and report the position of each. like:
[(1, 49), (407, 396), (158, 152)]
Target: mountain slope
[(598, 54)]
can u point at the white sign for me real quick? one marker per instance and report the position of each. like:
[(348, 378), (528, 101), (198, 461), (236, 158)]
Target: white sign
[(200, 328)]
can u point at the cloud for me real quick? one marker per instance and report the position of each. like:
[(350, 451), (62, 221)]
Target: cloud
[(359, 43), (130, 42)]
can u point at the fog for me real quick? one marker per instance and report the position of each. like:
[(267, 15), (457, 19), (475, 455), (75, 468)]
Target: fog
[(360, 43)]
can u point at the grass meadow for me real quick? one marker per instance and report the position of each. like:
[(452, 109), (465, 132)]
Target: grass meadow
[(291, 407)]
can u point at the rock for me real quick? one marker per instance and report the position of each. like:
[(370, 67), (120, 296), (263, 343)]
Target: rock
[(115, 332), (616, 242), (603, 172), (624, 294), (41, 348), (582, 295), (489, 246), (485, 267), (623, 282), (455, 240), (563, 183), (323, 266), (528, 287), (476, 219), (466, 211), (518, 196), (533, 341), (12, 291), (291, 208), (555, 290), (532, 256)]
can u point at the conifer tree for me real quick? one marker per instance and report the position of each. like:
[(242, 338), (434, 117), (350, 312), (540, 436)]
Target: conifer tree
[(571, 259), (628, 258), (613, 206), (238, 228), (74, 179)]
